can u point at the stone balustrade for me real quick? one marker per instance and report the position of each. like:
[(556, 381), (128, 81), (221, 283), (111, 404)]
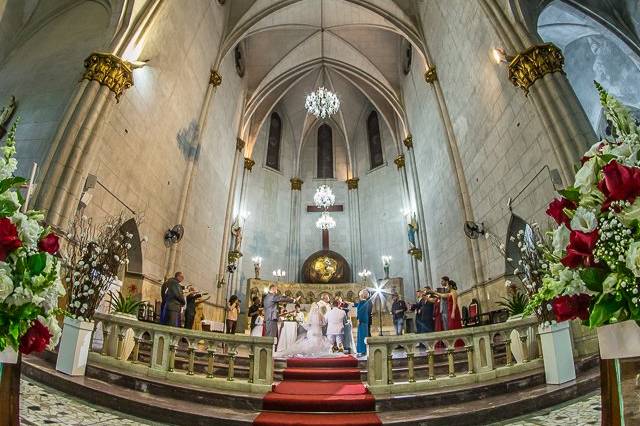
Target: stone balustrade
[(181, 355), (451, 358)]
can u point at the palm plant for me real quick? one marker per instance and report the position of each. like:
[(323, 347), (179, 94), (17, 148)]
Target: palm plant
[(515, 304), (123, 304)]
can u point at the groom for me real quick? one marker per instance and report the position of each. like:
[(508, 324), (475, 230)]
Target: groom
[(270, 306)]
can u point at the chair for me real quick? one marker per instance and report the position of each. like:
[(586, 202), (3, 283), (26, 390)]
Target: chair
[(474, 317)]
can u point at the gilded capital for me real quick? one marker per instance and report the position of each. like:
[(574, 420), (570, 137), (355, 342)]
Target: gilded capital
[(408, 142), (399, 161), (296, 184), (416, 253), (239, 144), (534, 63), (109, 70), (215, 78), (249, 163), (352, 183), (431, 74)]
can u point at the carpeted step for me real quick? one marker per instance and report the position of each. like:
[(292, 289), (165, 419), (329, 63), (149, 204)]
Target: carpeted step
[(333, 419), (343, 374), (320, 388), (329, 362), (319, 403)]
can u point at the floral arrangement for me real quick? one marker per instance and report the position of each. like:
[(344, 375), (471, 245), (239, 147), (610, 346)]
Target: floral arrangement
[(30, 283), (593, 264), (93, 257)]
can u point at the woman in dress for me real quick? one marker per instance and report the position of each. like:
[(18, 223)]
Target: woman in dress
[(314, 343), (455, 320), (199, 316), (233, 309), (362, 314), (258, 323)]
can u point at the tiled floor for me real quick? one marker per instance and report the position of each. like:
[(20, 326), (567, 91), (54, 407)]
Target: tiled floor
[(40, 405)]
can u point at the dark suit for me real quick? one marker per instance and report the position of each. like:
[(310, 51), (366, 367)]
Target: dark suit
[(174, 300)]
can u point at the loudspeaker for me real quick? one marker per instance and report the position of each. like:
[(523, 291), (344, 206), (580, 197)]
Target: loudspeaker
[(90, 182)]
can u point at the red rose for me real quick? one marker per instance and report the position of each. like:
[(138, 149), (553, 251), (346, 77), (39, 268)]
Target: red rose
[(556, 210), (9, 240), (580, 249), (620, 182), (571, 307), (35, 339), (50, 244)]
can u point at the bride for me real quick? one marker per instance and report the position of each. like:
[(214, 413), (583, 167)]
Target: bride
[(314, 344)]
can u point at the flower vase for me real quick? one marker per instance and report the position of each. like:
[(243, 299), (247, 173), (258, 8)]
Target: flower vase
[(557, 352), (8, 356), (10, 391), (74, 346)]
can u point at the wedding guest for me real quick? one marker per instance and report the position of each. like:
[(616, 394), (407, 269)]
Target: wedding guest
[(416, 307), (174, 300), (454, 318), (444, 304), (335, 327), (233, 309), (270, 304), (199, 315), (298, 314), (363, 308), (426, 310), (258, 323), (253, 311), (164, 312), (190, 309), (398, 309), (349, 344)]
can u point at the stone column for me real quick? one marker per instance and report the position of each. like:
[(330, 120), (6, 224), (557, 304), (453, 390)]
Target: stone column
[(353, 204), (537, 68), (294, 230), (248, 166), (406, 197), (73, 148), (422, 240)]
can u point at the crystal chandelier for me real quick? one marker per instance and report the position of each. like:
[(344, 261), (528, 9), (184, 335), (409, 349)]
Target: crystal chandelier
[(324, 197), (325, 221), (322, 103)]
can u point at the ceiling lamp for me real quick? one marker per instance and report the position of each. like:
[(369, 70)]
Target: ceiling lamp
[(322, 103), (324, 198), (325, 221)]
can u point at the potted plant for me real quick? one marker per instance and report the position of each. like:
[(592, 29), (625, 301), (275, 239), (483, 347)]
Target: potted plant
[(127, 307), (30, 283), (93, 256)]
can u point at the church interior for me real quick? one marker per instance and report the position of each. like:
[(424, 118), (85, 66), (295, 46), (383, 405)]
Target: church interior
[(319, 212)]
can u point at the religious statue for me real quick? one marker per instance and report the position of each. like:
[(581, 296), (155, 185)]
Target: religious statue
[(412, 230), (236, 231), (6, 113)]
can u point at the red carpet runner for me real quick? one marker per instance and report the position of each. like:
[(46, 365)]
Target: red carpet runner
[(319, 392)]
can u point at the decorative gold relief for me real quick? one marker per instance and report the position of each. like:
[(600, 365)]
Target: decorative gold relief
[(416, 252), (431, 74), (239, 144), (535, 63), (215, 78), (352, 183), (249, 163), (399, 161), (296, 184), (408, 142), (233, 256), (109, 70)]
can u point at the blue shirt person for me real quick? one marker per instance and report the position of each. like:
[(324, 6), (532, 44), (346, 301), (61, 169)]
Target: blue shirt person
[(363, 308)]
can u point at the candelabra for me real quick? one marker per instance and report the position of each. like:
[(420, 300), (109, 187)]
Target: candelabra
[(279, 274), (364, 274)]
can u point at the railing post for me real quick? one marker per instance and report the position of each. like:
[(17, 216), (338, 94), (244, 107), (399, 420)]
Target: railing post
[(120, 343), (525, 346), (431, 362), (452, 369), (507, 344), (469, 350), (136, 349), (251, 363), (389, 365), (105, 338), (172, 355), (192, 360), (232, 360), (211, 353), (410, 364)]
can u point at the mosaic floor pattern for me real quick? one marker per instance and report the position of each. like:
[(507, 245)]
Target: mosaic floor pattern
[(41, 405)]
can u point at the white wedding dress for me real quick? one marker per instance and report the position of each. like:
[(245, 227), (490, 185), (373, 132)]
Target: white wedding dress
[(314, 344)]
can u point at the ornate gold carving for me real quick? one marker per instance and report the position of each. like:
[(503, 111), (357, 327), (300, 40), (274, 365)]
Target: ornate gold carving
[(408, 142), (535, 63), (249, 163), (352, 183), (416, 252), (233, 256), (431, 74), (215, 78), (239, 144), (109, 70), (296, 184), (399, 161)]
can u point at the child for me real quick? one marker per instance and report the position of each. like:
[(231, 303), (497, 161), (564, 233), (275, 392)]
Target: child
[(257, 328)]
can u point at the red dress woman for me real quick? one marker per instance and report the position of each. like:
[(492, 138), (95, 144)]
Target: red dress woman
[(453, 311)]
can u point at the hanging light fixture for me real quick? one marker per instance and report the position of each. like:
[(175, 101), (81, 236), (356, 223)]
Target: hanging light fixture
[(325, 221), (324, 198), (322, 103)]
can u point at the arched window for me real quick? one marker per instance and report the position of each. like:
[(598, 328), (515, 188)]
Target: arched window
[(325, 152), (375, 143), (273, 143)]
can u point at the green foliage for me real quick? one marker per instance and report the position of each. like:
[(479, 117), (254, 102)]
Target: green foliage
[(15, 321), (516, 304), (124, 304)]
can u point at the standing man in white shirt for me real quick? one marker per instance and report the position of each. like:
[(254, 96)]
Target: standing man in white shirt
[(335, 327)]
